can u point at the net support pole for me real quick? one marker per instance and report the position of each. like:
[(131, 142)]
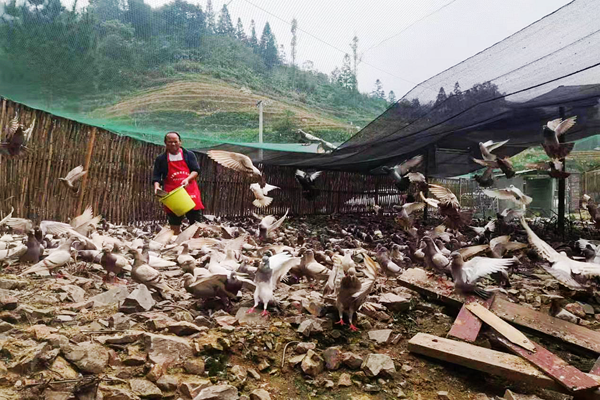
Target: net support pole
[(260, 128), (561, 184), (86, 167), (427, 159)]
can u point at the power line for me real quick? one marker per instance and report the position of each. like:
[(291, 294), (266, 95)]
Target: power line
[(331, 45), (410, 26)]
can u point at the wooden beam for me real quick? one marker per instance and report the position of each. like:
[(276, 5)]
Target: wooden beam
[(466, 325), (596, 368), (86, 167), (493, 362), (568, 376), (563, 330), (416, 279), (561, 184)]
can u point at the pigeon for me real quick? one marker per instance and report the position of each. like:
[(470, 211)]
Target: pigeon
[(307, 181), (86, 222), (268, 275), (404, 174), (260, 194), (148, 276), (12, 253), (511, 193), (567, 271), (591, 251), (236, 161), (588, 204), (17, 138), (552, 131), (466, 274), (56, 259), (433, 256), (352, 292), (502, 244), (72, 177), (389, 267), (486, 179), (327, 147), (403, 218), (269, 224), (449, 207), (34, 250), (113, 263), (309, 268), (492, 161), (552, 167)]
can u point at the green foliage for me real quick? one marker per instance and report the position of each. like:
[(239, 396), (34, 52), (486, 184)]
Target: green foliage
[(268, 47), (225, 26)]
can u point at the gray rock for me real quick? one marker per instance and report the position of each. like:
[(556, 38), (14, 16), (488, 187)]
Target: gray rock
[(307, 327), (139, 300), (113, 393), (183, 328), (218, 392), (194, 366), (351, 360), (62, 367), (295, 360), (260, 394), (587, 308), (64, 318), (202, 321), (119, 321), (113, 296), (443, 395), (11, 284), (76, 293), (239, 372), (56, 395), (303, 347), (576, 308), (371, 388), (168, 383), (87, 356), (401, 394), (374, 364), (30, 359), (396, 302), (344, 380), (381, 336), (5, 326), (567, 316), (8, 302), (312, 364), (190, 388), (163, 349), (333, 358), (253, 319), (252, 372), (145, 389)]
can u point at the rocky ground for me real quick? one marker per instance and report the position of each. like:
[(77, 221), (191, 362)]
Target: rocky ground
[(76, 336)]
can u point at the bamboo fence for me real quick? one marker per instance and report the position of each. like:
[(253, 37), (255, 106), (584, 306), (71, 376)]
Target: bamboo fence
[(118, 182)]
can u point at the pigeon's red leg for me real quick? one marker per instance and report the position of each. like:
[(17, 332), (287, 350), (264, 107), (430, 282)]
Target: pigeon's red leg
[(353, 328), (340, 322), (250, 311), (265, 313)]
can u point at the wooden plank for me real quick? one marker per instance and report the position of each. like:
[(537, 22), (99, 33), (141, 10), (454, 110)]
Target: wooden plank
[(466, 325), (511, 312), (503, 328), (513, 368), (568, 376), (566, 331), (596, 368), (86, 167)]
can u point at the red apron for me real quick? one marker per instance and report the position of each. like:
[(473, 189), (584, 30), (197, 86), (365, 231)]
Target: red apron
[(177, 172)]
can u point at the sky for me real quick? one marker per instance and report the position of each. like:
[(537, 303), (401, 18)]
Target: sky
[(401, 42)]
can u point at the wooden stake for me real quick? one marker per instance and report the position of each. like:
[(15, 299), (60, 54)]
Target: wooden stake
[(88, 159)]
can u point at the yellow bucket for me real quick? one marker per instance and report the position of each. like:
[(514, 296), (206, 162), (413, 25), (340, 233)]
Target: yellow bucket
[(178, 201)]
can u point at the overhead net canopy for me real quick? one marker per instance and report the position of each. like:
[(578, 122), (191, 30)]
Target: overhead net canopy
[(141, 71), (507, 91)]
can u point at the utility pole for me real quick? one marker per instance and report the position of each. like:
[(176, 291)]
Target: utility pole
[(561, 184), (260, 127)]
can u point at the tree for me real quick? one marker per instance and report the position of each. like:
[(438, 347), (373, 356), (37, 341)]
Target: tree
[(186, 24), (239, 31), (391, 97), (457, 91), (378, 92), (268, 47), (224, 26), (441, 97), (139, 15), (253, 38), (210, 17), (106, 10), (347, 79), (282, 55), (294, 42), (356, 59), (335, 75)]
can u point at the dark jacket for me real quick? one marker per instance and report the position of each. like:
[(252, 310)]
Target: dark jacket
[(161, 168)]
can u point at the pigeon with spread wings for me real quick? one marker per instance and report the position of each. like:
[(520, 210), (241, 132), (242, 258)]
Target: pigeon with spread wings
[(236, 161)]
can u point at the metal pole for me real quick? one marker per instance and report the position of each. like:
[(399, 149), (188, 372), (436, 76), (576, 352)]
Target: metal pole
[(260, 128), (86, 167), (426, 194), (561, 184)]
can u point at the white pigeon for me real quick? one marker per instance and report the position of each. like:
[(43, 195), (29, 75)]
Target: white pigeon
[(236, 161), (260, 194), (56, 259), (73, 176), (511, 193), (268, 275)]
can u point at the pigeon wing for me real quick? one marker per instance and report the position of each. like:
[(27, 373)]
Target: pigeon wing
[(479, 267), (445, 195)]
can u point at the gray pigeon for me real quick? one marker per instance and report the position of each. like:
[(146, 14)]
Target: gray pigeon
[(269, 273)]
